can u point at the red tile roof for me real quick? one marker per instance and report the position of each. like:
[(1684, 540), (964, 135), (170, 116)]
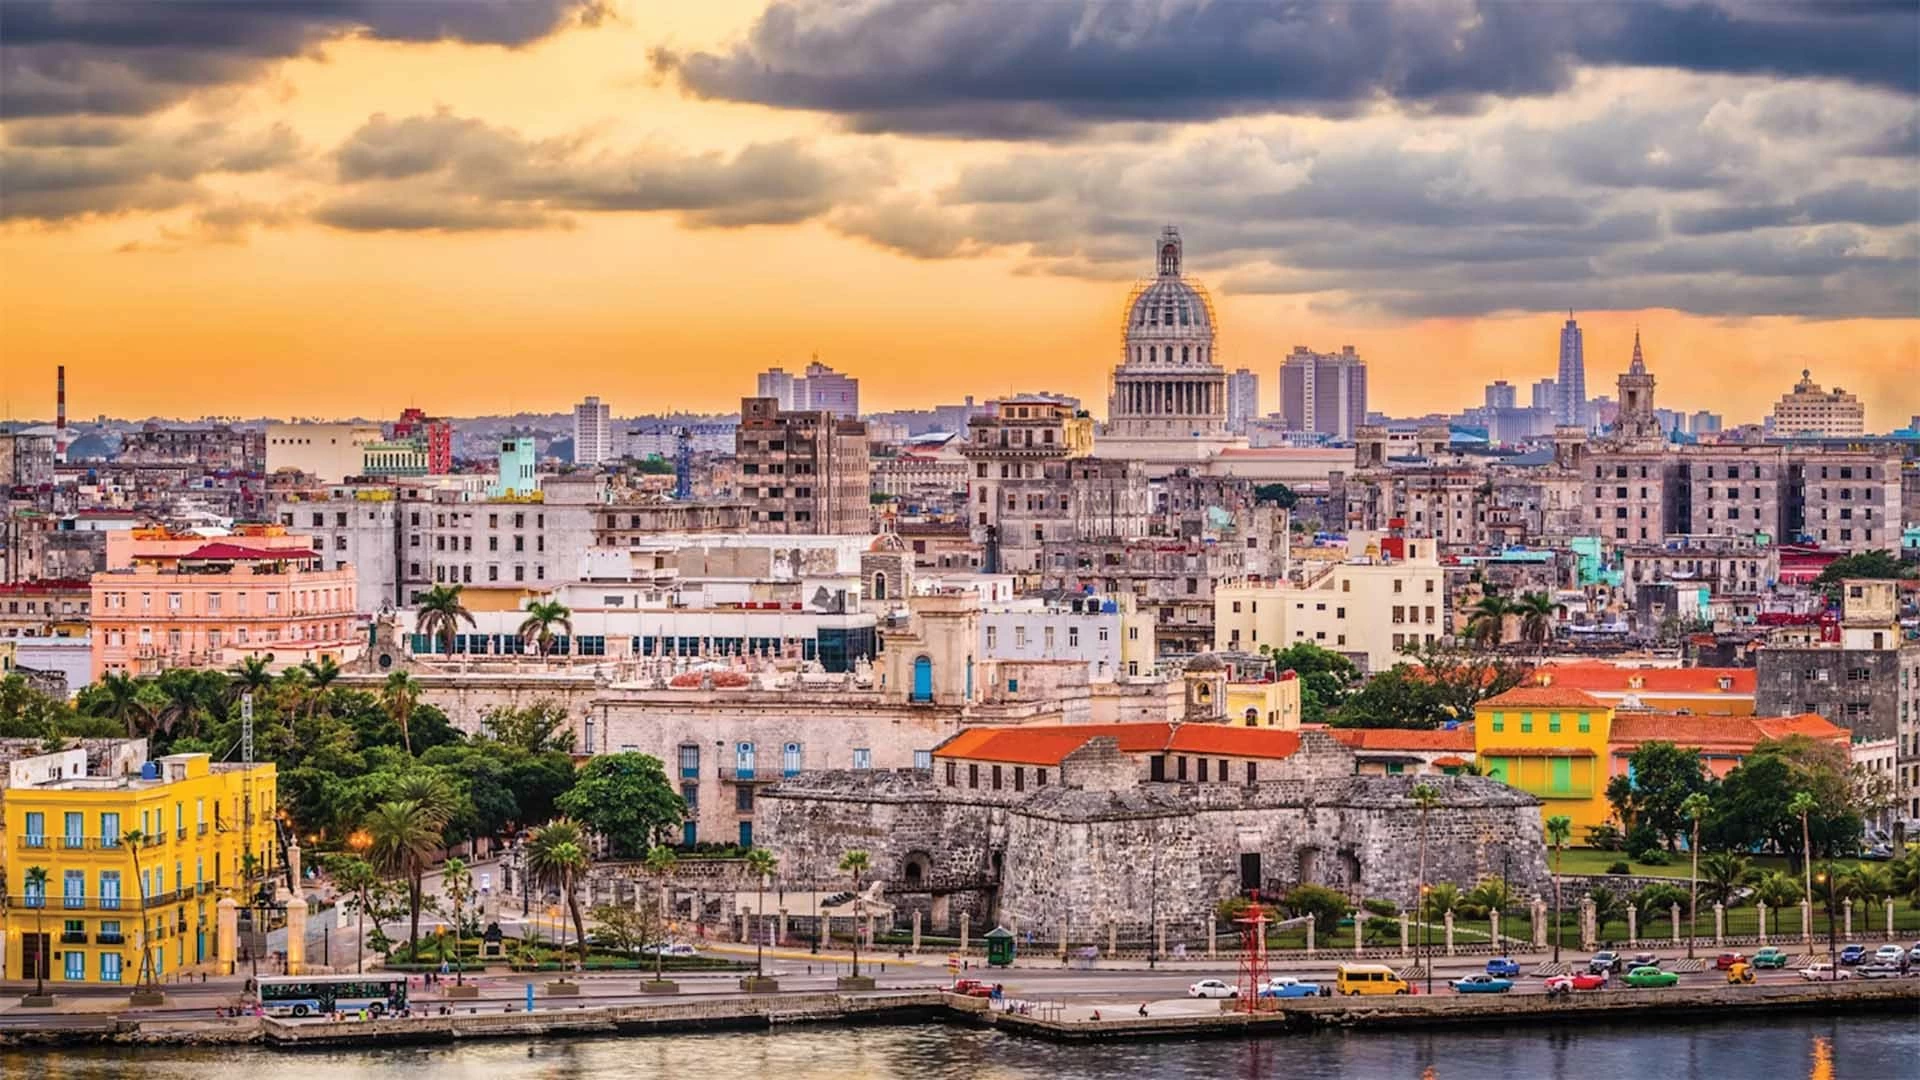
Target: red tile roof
[(1741, 733), (1536, 751), (1460, 738), (1614, 679), (1543, 697), (1450, 762), (1048, 744)]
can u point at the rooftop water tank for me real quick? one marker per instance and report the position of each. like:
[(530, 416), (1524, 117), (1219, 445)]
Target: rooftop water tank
[(149, 770)]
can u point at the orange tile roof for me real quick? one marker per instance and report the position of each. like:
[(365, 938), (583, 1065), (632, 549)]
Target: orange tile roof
[(1595, 677), (1630, 729), (1048, 744), (1450, 762), (1543, 697), (1460, 738)]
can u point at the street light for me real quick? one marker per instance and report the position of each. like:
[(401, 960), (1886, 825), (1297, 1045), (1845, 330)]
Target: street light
[(1825, 880)]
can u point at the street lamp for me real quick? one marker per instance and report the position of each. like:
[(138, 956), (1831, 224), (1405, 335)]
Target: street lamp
[(1825, 880)]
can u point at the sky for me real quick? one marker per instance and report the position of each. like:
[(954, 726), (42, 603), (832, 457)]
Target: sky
[(493, 206)]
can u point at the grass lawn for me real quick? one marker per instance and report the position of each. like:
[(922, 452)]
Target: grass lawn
[(1592, 861)]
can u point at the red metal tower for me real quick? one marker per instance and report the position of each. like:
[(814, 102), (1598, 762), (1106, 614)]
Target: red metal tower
[(1253, 954)]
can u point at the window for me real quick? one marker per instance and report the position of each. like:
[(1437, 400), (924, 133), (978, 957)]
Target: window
[(689, 761), (1586, 723), (790, 759), (36, 834), (1526, 722), (953, 771), (743, 761), (923, 759), (996, 778), (743, 799), (1553, 723), (862, 758), (110, 967), (1499, 722), (973, 776)]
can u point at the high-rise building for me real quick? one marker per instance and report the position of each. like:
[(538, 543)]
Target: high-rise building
[(1324, 392), (826, 390), (1809, 410), (780, 385), (1571, 386), (592, 433), (433, 433), (1243, 400), (1502, 394), (1704, 423), (1546, 397), (806, 471)]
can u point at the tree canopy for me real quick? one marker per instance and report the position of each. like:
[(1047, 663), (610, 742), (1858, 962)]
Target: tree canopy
[(627, 799), (1650, 795)]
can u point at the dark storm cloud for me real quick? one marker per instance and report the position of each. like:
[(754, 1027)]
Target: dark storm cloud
[(1024, 70), (450, 172), (131, 58)]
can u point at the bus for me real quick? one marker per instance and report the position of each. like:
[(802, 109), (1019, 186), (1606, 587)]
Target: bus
[(317, 995), (1354, 979)]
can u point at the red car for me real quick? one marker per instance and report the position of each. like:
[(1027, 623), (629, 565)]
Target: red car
[(1584, 980), (1726, 960), (971, 988)]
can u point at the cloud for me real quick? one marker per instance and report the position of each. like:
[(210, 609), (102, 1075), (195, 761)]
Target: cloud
[(55, 171), (230, 221), (1037, 70), (132, 57), (450, 172)]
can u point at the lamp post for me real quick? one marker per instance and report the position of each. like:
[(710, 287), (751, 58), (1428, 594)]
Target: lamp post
[(1426, 923), (1825, 880)]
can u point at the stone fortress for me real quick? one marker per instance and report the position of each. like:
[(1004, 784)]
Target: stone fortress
[(1105, 849)]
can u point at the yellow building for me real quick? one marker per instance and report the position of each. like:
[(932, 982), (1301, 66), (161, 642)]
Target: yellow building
[(1551, 742), (1270, 702), (103, 898)]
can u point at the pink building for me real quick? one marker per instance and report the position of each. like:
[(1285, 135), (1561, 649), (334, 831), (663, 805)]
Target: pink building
[(185, 601)]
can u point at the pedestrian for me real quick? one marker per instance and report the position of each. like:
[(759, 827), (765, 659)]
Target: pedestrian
[(1143, 1008)]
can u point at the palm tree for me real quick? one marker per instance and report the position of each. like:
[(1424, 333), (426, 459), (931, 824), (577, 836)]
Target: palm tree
[(37, 889), (1776, 889), (1487, 619), (1440, 899), (1693, 808), (761, 862), (250, 676), (1608, 906), (118, 699), (1723, 871), (402, 839), (542, 616), (293, 688), (1426, 797), (136, 839), (1906, 875), (557, 856), (402, 693), (1801, 805), (320, 674), (457, 883), (432, 797), (1559, 829), (356, 877), (441, 614), (856, 862), (1536, 618), (660, 862), (180, 688)]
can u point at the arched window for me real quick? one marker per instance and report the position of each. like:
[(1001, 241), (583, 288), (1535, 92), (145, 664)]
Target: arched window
[(1183, 354), (1253, 716), (922, 678), (879, 586)]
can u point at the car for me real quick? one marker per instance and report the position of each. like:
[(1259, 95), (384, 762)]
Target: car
[(1504, 966), (1913, 954), (1824, 972), (1481, 984), (1606, 961), (1878, 853), (1643, 959), (1879, 969), (1741, 974), (1852, 954), (1726, 960), (664, 948), (1289, 988), (1889, 954), (1585, 980), (1770, 957), (1212, 988), (971, 988), (1646, 977)]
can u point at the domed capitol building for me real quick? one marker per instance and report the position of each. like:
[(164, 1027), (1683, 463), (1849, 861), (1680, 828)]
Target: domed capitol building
[(1168, 404)]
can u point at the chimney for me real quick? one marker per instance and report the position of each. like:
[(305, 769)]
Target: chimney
[(60, 416)]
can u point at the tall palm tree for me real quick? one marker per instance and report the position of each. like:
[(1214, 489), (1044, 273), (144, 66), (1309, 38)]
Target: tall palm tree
[(761, 862), (542, 616), (456, 881), (401, 840), (1801, 806), (136, 839), (401, 693), (1486, 620), (440, 615), (1693, 808), (660, 862), (1426, 797), (557, 856), (180, 690), (118, 699), (857, 863), (356, 877), (37, 888), (433, 798), (1723, 871), (1559, 830), (293, 689), (250, 676), (320, 676), (1536, 618), (1776, 889)]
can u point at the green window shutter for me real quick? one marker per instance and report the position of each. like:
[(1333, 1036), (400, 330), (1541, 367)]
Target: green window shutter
[(1586, 723), (1553, 723), (1526, 722), (1562, 774)]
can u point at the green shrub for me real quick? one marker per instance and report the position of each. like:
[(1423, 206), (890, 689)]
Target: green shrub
[(1619, 868)]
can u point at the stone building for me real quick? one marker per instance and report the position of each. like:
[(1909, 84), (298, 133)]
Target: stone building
[(1070, 832), (806, 471)]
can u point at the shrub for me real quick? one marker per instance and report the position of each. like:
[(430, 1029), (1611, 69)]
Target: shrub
[(1651, 857), (1326, 906), (1383, 908), (1619, 868), (1605, 838)]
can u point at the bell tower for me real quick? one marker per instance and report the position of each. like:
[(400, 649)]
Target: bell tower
[(1170, 252), (1637, 423)]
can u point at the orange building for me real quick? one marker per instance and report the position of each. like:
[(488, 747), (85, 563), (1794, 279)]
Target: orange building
[(1723, 741), (190, 601), (1015, 758), (1398, 751), (1712, 691)]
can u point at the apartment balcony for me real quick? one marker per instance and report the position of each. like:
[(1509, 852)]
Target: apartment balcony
[(749, 776)]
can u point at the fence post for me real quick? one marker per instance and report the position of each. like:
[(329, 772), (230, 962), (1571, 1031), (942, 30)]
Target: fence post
[(1849, 919), (916, 930), (1761, 907), (1633, 926), (1310, 928), (1493, 925), (1719, 923), (1449, 931), (1889, 918), (1359, 929), (1589, 931), (1113, 938), (1403, 933), (1676, 922), (1806, 923)]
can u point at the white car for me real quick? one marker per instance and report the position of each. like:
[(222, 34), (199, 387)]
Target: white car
[(664, 949), (1824, 972), (1212, 988), (1889, 954)]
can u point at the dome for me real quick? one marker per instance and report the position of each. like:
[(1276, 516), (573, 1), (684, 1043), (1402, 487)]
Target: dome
[(1206, 661), (1169, 317)]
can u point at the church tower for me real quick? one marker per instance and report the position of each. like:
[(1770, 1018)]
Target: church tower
[(1637, 422)]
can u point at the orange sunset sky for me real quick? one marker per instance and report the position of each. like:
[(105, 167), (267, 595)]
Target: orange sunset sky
[(651, 202)]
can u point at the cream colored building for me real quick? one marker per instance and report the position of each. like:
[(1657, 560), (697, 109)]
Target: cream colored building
[(1809, 410), (1386, 595), (327, 452)]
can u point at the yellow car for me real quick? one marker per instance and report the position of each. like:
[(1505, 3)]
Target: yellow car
[(1740, 974)]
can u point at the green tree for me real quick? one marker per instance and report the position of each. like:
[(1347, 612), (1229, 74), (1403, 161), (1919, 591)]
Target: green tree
[(1694, 808), (1777, 889), (1426, 797), (1721, 874), (660, 862), (1650, 795), (1656, 900), (401, 692), (1878, 564), (1905, 874), (357, 878), (321, 674), (440, 614), (623, 929), (456, 884), (760, 862), (1488, 895), (557, 857), (1325, 906), (403, 840), (542, 616), (1439, 684), (1278, 494), (117, 699), (1536, 618), (857, 863), (627, 799), (1441, 899), (251, 676), (1326, 677), (37, 889), (1559, 830), (1486, 620), (1608, 906), (538, 727), (1802, 806)]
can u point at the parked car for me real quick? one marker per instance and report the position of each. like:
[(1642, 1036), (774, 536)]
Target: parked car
[(1889, 954), (1503, 966), (1879, 969), (1852, 954), (1770, 957), (1824, 972), (1913, 954), (663, 948), (1726, 960), (1212, 988), (1585, 980), (1646, 977), (1289, 988), (1605, 961), (1481, 984), (1643, 959)]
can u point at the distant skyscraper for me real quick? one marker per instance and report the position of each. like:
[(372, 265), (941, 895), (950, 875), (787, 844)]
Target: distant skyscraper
[(1323, 392), (1502, 395), (1571, 386), (1705, 423), (829, 391), (1243, 400), (592, 433), (779, 385), (1545, 397)]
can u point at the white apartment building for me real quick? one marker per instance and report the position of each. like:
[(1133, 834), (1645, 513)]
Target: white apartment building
[(1809, 410), (327, 452), (1388, 594), (1084, 630), (592, 433)]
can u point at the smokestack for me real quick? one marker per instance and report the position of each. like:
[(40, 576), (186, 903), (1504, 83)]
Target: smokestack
[(60, 418)]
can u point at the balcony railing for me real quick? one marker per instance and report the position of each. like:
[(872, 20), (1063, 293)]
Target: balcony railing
[(749, 776), (69, 843), (73, 937), (73, 903), (115, 938)]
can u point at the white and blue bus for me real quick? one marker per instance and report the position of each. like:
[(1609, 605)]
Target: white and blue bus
[(318, 995)]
